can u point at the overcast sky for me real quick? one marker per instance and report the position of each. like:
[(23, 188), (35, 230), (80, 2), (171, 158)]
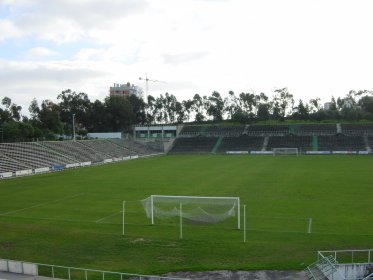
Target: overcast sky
[(316, 48)]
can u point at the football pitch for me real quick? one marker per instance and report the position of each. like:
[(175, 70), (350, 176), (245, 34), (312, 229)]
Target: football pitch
[(74, 217)]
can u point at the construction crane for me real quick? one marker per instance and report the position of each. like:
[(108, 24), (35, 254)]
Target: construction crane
[(147, 80)]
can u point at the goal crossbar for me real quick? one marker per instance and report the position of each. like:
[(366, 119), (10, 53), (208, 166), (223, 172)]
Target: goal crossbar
[(201, 199), (285, 151)]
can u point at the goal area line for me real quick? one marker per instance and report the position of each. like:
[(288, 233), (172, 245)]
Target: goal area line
[(173, 225)]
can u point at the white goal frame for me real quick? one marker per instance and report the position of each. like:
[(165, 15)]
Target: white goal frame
[(285, 151), (237, 199)]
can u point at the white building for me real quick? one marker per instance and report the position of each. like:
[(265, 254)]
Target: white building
[(125, 90), (327, 105)]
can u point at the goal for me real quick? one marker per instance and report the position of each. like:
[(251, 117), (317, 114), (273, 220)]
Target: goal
[(285, 151), (203, 209)]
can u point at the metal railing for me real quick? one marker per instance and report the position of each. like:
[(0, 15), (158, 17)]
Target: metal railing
[(74, 273), (349, 256), (326, 267)]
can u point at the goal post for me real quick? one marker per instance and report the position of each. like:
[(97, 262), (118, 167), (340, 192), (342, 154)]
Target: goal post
[(285, 151), (204, 209)]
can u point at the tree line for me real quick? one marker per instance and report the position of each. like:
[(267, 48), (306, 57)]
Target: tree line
[(50, 120)]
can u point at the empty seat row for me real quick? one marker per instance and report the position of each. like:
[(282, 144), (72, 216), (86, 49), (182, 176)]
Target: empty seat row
[(33, 155), (357, 129), (315, 129), (303, 143), (341, 143), (224, 130), (265, 130), (242, 143), (194, 145)]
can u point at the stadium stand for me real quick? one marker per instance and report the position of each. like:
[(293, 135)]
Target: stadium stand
[(191, 131), (9, 165), (215, 130), (303, 143), (310, 138), (194, 145), (241, 143), (370, 142), (357, 129), (315, 129), (75, 150), (267, 130), (33, 155), (107, 148), (341, 143), (136, 148)]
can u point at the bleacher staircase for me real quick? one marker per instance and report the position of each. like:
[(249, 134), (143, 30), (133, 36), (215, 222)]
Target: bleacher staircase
[(366, 142), (339, 128), (322, 269), (265, 143), (245, 131), (216, 147), (315, 143)]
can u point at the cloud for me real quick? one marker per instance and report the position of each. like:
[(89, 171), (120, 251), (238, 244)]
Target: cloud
[(63, 21), (39, 52), (195, 46), (23, 81), (8, 30), (88, 53), (22, 73), (176, 59)]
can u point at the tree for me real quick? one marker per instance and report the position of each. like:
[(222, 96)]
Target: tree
[(187, 108), (180, 112), (6, 102), (34, 109), (198, 108), (215, 106), (301, 111), (284, 102), (138, 107), (248, 103), (50, 117), (263, 107), (366, 103), (12, 111), (97, 117), (315, 105), (232, 104), (74, 103), (120, 115), (150, 107), (263, 111), (169, 107)]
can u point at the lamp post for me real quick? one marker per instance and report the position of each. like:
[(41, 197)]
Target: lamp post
[(73, 127)]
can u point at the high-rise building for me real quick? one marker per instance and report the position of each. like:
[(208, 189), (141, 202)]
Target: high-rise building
[(124, 90)]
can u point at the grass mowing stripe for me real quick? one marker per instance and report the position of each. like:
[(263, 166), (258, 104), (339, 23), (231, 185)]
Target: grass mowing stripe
[(41, 204), (281, 193)]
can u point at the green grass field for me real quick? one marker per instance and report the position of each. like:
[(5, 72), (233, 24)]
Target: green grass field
[(73, 217)]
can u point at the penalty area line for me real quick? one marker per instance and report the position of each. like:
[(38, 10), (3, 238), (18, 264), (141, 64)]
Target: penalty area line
[(41, 204), (107, 217)]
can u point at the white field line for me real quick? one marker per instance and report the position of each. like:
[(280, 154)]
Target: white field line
[(171, 225), (107, 217), (47, 219), (41, 204)]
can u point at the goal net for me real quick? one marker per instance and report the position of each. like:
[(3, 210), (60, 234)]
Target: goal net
[(195, 208), (285, 151)]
